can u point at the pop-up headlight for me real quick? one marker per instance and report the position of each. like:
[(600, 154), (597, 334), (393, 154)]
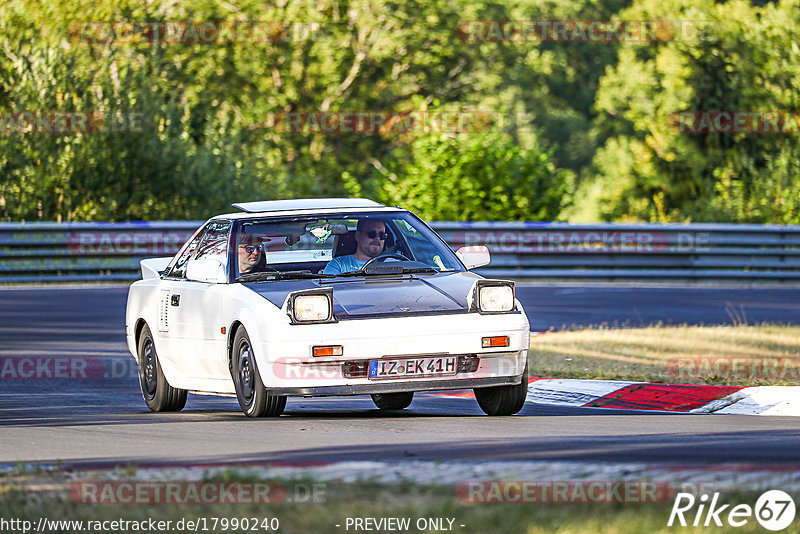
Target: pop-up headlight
[(492, 296), (312, 306)]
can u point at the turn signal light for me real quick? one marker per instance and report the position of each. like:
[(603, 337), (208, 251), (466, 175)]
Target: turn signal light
[(496, 341), (327, 350)]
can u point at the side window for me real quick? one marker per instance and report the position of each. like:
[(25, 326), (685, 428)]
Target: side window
[(179, 269), (422, 248), (211, 242), (214, 243)]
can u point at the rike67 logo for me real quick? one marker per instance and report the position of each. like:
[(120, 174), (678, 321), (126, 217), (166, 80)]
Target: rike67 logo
[(774, 510)]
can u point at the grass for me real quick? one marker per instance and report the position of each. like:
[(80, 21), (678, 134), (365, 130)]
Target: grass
[(367, 499), (766, 354)]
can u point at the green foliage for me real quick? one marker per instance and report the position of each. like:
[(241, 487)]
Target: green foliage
[(208, 138), (741, 58), (469, 178), (148, 160), (582, 131)]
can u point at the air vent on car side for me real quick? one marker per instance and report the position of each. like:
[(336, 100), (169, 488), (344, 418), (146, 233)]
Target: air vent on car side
[(163, 311)]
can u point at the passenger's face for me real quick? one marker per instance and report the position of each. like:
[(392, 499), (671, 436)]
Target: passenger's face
[(249, 256), (370, 247)]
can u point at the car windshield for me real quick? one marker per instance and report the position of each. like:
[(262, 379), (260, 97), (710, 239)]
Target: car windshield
[(339, 245)]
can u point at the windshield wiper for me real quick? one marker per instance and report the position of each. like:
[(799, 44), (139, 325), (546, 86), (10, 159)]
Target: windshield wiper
[(388, 269), (420, 270), (280, 275)]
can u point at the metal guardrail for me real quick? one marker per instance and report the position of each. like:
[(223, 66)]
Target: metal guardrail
[(45, 252), (41, 252), (744, 252)]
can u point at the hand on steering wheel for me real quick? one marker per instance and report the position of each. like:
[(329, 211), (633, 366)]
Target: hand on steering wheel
[(385, 257)]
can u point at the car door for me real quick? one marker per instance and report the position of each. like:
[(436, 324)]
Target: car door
[(198, 344), (169, 346)]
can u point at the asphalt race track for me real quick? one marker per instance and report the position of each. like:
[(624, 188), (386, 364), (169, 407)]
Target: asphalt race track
[(565, 307), (103, 420)]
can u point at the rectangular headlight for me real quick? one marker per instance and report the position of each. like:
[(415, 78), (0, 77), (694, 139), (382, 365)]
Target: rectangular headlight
[(314, 306), (311, 308), (496, 298), (492, 296)]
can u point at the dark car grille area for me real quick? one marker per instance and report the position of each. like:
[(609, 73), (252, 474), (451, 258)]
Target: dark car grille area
[(355, 369), (467, 363)]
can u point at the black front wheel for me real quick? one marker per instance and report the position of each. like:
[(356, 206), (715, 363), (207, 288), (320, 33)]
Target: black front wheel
[(503, 400), (393, 401), (250, 391), (156, 391)]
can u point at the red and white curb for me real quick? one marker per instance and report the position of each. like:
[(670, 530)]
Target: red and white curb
[(688, 398), (763, 400)]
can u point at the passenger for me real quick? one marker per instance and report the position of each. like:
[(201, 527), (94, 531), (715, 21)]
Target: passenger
[(251, 253)]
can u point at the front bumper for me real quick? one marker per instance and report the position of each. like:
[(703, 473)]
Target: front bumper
[(286, 364), (396, 387)]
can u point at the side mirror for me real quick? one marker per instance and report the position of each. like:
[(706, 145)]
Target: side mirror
[(206, 270), (152, 267), (473, 256)]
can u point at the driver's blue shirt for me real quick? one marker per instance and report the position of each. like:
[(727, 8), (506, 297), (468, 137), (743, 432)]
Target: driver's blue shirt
[(343, 264)]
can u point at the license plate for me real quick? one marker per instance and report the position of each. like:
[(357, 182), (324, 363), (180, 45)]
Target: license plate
[(413, 367)]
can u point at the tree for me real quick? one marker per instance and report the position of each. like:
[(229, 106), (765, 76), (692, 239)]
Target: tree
[(739, 59), (469, 177)]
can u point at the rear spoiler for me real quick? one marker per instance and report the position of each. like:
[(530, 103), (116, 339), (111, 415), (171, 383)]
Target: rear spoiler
[(152, 267)]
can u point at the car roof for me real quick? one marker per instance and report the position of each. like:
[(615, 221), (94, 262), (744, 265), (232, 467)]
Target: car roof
[(304, 206)]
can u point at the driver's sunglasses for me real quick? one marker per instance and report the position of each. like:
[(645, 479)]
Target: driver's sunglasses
[(250, 248), (372, 234)]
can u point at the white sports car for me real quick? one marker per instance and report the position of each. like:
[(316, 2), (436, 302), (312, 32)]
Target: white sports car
[(324, 297)]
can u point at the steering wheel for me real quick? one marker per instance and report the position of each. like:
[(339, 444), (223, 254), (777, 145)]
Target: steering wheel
[(385, 257)]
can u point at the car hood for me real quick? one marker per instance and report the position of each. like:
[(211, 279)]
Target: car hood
[(381, 296)]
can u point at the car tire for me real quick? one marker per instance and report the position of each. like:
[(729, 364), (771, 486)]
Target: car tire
[(393, 401), (503, 400), (156, 391), (253, 397)]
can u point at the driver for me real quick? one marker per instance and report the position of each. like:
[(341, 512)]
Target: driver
[(370, 239)]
